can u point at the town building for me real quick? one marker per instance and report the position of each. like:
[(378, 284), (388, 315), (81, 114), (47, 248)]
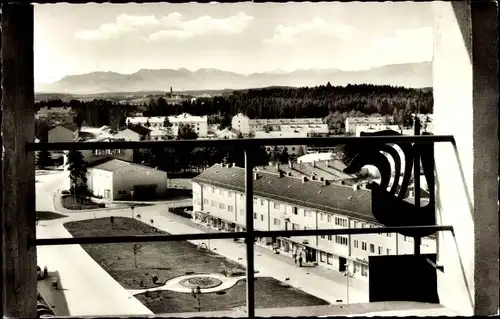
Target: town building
[(114, 179), (351, 123), (291, 149), (247, 126), (226, 133), (92, 156), (199, 124), (55, 114), (285, 203), (134, 133), (327, 170), (63, 134)]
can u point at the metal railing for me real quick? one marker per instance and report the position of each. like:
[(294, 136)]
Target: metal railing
[(250, 234)]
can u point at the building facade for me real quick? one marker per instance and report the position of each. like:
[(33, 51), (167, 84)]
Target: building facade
[(287, 203), (114, 179), (62, 134), (199, 124), (134, 133), (291, 149), (247, 126)]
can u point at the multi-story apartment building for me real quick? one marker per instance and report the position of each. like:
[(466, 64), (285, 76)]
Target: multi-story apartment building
[(286, 203), (199, 124), (55, 114), (291, 149), (378, 122), (246, 126)]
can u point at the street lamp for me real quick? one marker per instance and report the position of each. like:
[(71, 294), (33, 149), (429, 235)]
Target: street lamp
[(196, 293), (132, 207), (74, 192), (208, 213), (347, 274)]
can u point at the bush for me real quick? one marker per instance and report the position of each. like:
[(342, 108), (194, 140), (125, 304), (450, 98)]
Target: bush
[(101, 205)]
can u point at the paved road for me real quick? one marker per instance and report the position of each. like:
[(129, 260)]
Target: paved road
[(331, 287), (88, 289)]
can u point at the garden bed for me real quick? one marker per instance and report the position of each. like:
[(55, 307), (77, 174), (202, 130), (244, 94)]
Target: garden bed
[(79, 203), (45, 215), (166, 260)]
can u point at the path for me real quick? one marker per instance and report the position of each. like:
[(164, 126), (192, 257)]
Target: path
[(87, 289)]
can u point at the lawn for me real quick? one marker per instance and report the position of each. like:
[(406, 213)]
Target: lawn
[(269, 293), (78, 203), (172, 259), (44, 215), (164, 259)]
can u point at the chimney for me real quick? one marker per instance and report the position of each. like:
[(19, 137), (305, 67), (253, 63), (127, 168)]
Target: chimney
[(288, 173), (325, 182), (234, 164), (277, 165), (321, 178), (290, 164), (255, 176), (314, 163), (304, 179)]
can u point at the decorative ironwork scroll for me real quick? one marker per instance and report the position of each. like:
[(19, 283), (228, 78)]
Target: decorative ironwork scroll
[(388, 204)]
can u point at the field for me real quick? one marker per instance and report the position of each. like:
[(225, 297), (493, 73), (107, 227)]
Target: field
[(172, 259)]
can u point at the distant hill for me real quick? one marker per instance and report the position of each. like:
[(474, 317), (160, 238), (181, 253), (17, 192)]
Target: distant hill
[(204, 81)]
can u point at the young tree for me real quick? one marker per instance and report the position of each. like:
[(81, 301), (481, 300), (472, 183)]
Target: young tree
[(168, 126), (43, 159), (136, 248), (77, 170)]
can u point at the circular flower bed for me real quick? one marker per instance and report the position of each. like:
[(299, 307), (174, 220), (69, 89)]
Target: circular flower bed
[(202, 282)]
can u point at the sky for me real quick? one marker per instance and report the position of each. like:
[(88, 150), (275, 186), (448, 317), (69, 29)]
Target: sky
[(241, 37)]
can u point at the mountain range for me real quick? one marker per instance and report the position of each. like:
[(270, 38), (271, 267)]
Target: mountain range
[(415, 75)]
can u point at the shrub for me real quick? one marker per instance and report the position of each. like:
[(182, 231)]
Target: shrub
[(101, 205)]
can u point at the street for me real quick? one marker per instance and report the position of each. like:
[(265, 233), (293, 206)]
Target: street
[(108, 297)]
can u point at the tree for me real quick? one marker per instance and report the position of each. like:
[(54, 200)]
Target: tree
[(300, 151), (77, 169), (136, 248), (284, 156), (168, 126), (186, 133), (147, 123), (43, 159)]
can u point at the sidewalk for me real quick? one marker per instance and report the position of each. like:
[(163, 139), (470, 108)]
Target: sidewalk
[(86, 287)]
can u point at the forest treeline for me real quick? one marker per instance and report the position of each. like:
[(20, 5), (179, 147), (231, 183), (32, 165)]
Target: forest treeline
[(333, 103)]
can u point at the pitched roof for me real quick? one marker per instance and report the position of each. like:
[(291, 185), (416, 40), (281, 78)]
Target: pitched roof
[(71, 127), (139, 129), (109, 164), (337, 199)]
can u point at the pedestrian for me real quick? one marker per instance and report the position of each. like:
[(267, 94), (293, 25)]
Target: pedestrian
[(300, 260), (295, 257)]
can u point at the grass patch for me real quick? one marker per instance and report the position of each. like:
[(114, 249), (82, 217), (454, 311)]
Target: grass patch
[(167, 260), (269, 293), (164, 259), (44, 215), (78, 203)]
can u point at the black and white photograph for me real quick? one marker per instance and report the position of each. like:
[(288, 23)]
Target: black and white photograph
[(249, 159)]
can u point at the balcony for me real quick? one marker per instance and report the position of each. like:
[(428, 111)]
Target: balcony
[(466, 268)]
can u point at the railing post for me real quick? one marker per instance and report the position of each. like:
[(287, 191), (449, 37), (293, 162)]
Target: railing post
[(18, 169), (416, 175), (249, 236)]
